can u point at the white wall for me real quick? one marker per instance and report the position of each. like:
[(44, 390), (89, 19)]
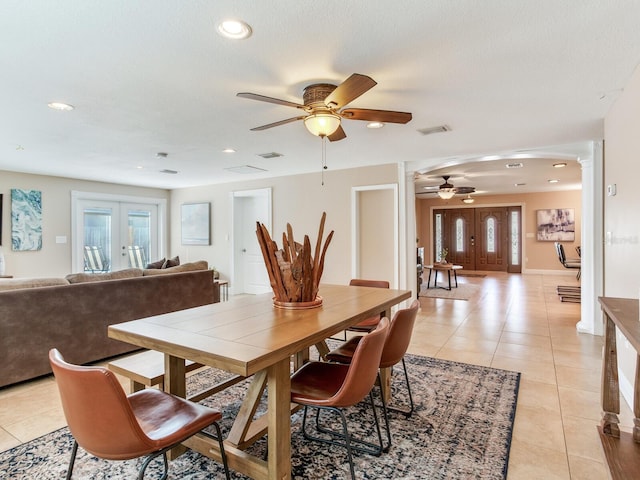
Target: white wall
[(621, 214), (54, 259), (298, 200)]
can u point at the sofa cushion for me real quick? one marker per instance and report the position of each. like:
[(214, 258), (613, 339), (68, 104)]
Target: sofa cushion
[(158, 264), (100, 277), (185, 267), (18, 283)]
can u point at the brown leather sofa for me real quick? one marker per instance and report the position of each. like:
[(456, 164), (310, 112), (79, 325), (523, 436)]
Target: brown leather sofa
[(73, 317)]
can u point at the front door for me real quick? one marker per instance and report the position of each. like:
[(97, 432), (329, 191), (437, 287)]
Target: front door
[(485, 238)]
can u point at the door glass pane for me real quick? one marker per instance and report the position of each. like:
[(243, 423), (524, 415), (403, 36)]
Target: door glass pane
[(459, 235), (515, 237), (491, 235), (438, 236), (97, 239), (139, 237)]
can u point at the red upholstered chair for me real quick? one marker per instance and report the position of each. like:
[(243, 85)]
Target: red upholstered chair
[(370, 323), (393, 353), (111, 425), (334, 386)]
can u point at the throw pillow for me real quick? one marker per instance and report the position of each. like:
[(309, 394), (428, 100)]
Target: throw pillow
[(172, 262), (158, 264)]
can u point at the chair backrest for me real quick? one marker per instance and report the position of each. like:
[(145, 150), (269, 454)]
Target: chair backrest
[(363, 369), (561, 255), (94, 259), (137, 257), (399, 335), (97, 411), (359, 282)]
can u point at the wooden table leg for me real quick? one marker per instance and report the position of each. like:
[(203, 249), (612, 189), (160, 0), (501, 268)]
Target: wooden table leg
[(610, 385), (636, 403), (175, 382), (279, 418)]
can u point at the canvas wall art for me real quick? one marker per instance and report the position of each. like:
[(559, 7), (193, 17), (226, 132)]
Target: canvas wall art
[(26, 220), (195, 224), (556, 225)]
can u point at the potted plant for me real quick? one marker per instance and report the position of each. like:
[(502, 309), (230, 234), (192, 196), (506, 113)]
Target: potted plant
[(443, 256)]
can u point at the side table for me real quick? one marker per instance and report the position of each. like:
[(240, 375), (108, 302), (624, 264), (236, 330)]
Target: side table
[(448, 267), (224, 289)]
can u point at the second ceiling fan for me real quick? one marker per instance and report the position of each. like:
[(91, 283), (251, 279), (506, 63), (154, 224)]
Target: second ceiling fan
[(447, 190), (324, 107)]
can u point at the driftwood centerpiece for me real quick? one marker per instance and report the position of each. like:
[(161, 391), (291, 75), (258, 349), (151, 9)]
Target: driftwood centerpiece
[(294, 274)]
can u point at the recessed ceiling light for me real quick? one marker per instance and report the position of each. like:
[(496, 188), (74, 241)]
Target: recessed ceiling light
[(139, 167), (519, 184), (559, 165), (228, 150), (553, 180), (60, 106), (234, 29), (375, 125)]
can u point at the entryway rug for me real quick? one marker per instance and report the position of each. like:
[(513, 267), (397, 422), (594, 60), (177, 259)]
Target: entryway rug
[(461, 429), (464, 291)]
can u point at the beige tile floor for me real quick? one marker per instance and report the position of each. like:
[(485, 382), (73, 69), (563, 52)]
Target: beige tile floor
[(514, 322)]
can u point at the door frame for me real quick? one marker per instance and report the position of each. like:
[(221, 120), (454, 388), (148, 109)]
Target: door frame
[(522, 206), (77, 255), (355, 234), (266, 193)]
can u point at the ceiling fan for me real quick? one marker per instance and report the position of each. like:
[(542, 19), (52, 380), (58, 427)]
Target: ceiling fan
[(447, 190), (324, 107)]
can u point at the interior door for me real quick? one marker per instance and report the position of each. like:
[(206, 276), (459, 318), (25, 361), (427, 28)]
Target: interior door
[(250, 273)]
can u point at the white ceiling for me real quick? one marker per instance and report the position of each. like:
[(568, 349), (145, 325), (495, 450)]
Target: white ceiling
[(150, 76)]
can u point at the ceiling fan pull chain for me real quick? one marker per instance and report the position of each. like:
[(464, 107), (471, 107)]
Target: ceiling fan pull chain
[(324, 156)]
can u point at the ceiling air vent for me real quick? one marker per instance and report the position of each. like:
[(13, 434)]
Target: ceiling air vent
[(166, 170), (270, 155), (438, 129), (514, 165), (245, 169)]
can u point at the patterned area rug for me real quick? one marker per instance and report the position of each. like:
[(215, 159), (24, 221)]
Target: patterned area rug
[(464, 291), (461, 429)]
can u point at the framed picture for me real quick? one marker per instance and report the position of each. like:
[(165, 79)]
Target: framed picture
[(556, 225), (195, 223), (26, 220)]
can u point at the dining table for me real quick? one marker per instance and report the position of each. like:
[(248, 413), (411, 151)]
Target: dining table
[(250, 336)]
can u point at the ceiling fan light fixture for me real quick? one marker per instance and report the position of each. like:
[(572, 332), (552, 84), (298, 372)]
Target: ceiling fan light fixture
[(322, 124), (446, 193), (468, 199)]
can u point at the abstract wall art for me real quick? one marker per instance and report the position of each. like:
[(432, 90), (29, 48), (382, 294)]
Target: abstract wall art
[(26, 220), (556, 225), (196, 227)]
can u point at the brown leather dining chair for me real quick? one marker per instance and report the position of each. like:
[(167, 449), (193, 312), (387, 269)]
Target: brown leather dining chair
[(334, 386), (394, 350), (368, 324), (107, 423)]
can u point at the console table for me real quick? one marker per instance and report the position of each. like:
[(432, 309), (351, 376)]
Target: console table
[(621, 449)]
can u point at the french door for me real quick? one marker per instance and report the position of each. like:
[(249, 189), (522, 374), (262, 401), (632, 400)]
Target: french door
[(114, 235), (485, 238)]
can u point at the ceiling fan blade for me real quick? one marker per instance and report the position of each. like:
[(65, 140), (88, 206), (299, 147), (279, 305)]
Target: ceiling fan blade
[(337, 135), (277, 124), (465, 190), (262, 98), (349, 90), (385, 116)]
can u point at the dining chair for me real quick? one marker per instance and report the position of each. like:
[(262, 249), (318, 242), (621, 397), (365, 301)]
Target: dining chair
[(570, 263), (108, 424), (368, 324), (335, 386), (394, 350)]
